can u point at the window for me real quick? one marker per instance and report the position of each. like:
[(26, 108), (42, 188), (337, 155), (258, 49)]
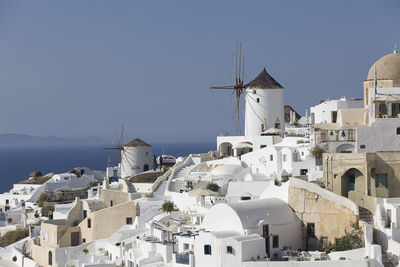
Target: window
[(310, 229), (111, 203), (258, 100), (128, 220), (363, 146), (262, 146), (115, 173), (89, 223), (334, 116), (84, 214), (84, 240), (229, 249), (245, 198), (381, 180), (207, 249), (302, 153), (398, 130), (275, 241), (324, 239), (7, 201), (185, 246), (284, 157), (271, 157), (303, 171)]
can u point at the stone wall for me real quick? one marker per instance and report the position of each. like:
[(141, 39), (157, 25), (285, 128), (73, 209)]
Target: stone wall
[(332, 215)]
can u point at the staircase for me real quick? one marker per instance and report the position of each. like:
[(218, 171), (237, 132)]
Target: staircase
[(184, 171), (366, 216), (160, 190)]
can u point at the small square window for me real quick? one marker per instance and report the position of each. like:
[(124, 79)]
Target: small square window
[(7, 201), (275, 241), (185, 246), (128, 220), (229, 249), (381, 180), (262, 146), (362, 146), (207, 249)]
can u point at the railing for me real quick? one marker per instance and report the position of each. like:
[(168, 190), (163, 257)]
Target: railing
[(161, 179), (348, 135), (182, 258)]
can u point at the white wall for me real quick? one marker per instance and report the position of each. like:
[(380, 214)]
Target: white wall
[(322, 113), (269, 107), (134, 159)]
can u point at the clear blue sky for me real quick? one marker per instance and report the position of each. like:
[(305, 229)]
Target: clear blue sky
[(79, 68)]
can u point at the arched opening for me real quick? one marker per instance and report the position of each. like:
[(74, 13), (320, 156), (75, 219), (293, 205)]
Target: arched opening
[(243, 148), (345, 148), (225, 149), (50, 258), (352, 180)]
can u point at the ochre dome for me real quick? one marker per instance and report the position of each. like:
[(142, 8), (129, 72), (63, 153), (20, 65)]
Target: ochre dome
[(387, 67)]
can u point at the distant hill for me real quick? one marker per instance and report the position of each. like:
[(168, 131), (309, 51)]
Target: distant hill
[(22, 140)]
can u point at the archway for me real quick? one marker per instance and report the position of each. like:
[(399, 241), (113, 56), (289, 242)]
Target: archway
[(345, 148), (352, 180), (225, 149)]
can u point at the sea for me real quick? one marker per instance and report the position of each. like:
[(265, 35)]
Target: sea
[(17, 163)]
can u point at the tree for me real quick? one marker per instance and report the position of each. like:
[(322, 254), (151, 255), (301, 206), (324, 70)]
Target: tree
[(317, 153), (168, 206), (42, 198), (213, 187), (349, 241)]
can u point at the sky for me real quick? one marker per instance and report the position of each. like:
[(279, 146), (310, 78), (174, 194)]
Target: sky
[(81, 68)]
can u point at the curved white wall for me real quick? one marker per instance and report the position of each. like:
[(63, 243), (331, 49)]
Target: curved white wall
[(133, 160), (270, 107)]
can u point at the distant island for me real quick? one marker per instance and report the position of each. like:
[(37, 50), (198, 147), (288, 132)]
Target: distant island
[(22, 140)]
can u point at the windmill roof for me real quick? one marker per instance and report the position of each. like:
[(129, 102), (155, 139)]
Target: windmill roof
[(264, 81), (137, 142)]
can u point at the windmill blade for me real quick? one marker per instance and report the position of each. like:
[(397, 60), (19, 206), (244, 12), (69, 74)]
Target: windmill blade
[(243, 70), (240, 60), (236, 73), (222, 87)]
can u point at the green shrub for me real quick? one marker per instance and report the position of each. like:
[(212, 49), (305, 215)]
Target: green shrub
[(85, 250), (168, 206), (42, 198), (213, 187), (45, 210), (13, 236), (349, 241)]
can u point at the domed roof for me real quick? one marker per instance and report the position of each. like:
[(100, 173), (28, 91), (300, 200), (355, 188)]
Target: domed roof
[(387, 67)]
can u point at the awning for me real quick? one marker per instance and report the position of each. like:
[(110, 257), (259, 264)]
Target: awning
[(387, 99), (243, 145), (272, 131)]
